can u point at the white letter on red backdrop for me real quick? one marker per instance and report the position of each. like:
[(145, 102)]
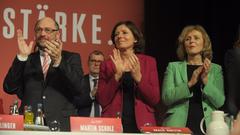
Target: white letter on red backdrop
[(77, 27), (8, 31), (25, 13), (95, 29), (61, 18)]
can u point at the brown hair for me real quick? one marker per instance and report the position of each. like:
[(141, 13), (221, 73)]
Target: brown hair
[(139, 46)]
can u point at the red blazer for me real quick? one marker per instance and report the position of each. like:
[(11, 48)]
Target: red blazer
[(147, 94)]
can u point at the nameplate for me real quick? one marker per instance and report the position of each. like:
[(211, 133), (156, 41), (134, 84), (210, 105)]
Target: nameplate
[(99, 124), (11, 122), (166, 130)]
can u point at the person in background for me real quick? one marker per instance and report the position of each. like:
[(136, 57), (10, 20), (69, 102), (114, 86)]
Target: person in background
[(49, 75), (128, 82), (193, 87), (87, 103), (232, 77)]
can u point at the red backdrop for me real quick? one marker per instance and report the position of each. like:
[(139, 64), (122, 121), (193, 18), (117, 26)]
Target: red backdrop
[(85, 26)]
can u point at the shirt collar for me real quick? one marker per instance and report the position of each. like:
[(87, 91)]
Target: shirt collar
[(91, 77), (41, 53)]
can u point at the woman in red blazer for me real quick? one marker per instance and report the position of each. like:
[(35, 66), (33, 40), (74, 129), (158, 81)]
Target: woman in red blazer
[(128, 82)]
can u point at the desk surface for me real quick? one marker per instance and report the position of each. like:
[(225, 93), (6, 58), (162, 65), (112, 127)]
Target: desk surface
[(5, 132)]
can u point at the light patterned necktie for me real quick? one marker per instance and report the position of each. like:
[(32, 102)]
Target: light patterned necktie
[(45, 64)]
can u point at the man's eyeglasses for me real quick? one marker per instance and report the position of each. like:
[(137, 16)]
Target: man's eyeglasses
[(47, 30)]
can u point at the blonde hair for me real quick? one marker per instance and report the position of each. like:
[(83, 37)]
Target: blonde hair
[(207, 47)]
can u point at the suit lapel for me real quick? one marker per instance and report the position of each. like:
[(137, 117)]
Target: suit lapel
[(36, 63), (51, 70), (87, 81), (183, 71), (87, 88)]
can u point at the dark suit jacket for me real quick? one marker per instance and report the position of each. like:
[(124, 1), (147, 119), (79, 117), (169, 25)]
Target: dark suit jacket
[(55, 93), (232, 77), (147, 93), (84, 101)]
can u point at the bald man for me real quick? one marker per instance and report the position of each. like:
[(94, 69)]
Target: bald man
[(48, 75)]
